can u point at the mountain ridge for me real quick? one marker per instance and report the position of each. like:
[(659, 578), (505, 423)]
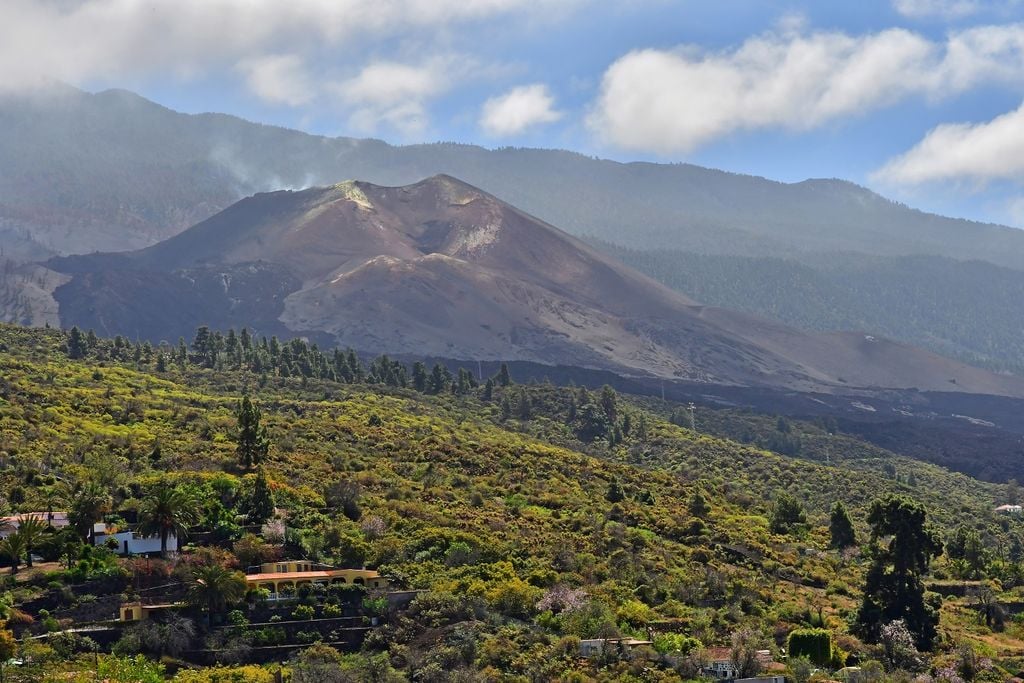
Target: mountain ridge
[(208, 161), (442, 268)]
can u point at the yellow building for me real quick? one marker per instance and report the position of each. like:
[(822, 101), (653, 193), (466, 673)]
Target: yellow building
[(289, 575), (136, 611)]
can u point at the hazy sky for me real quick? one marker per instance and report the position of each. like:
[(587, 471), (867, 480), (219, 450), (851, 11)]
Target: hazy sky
[(918, 99)]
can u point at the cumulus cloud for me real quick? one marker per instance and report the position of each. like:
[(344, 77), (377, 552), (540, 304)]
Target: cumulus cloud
[(519, 109), (392, 94), (978, 152), (946, 9), (677, 100), (120, 39), (281, 79)]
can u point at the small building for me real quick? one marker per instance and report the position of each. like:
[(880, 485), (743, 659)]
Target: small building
[(138, 611), (289, 575), (132, 543), (721, 667), (10, 523), (623, 647), (1010, 509)]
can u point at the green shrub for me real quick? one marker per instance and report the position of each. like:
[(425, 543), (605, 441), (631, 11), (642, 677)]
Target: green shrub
[(303, 612), (813, 643)]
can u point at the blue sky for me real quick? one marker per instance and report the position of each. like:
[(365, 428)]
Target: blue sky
[(918, 99)]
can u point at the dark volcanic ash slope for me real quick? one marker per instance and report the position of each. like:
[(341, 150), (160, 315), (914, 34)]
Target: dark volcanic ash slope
[(440, 268)]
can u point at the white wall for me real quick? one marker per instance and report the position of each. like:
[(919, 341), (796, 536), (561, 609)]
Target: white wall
[(137, 545)]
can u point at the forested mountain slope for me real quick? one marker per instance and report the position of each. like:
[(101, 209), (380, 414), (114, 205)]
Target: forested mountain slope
[(112, 170), (963, 309)]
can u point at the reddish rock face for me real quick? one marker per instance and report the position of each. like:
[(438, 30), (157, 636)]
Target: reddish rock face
[(441, 268)]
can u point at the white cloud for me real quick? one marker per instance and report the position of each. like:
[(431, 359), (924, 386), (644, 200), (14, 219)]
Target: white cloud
[(79, 40), (519, 109), (280, 79), (1015, 211), (395, 95), (947, 9), (677, 100), (978, 153)]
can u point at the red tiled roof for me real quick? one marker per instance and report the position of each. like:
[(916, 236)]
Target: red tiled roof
[(278, 576), (275, 576)]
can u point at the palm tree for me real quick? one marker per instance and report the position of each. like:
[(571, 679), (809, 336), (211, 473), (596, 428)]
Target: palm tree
[(168, 510), (88, 503), (49, 498), (215, 587), (13, 547), (32, 529)]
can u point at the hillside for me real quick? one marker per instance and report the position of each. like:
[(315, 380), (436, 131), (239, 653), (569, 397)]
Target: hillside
[(967, 310), (443, 269), (487, 511)]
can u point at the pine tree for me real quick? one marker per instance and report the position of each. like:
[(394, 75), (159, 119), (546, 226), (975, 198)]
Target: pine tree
[(77, 347), (590, 423), (465, 382), (253, 442), (258, 505), (182, 358), (504, 378), (439, 379), (787, 515), (489, 389), (615, 493), (506, 407), (419, 376), (699, 505), (609, 404), (354, 366), (841, 528), (524, 409), (201, 345), (902, 547)]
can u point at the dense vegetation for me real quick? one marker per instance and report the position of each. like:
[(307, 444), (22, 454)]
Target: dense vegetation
[(968, 310), (531, 516)]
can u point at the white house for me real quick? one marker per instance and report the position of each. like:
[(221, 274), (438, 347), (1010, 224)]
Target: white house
[(131, 543), (721, 668), (1009, 509), (10, 523)]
